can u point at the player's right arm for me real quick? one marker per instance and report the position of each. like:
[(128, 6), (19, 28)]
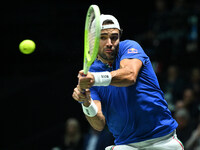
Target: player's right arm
[(98, 121)]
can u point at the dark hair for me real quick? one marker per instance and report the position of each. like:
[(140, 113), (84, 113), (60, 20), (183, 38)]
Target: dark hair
[(108, 21)]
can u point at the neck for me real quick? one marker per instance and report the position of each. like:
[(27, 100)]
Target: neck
[(105, 61), (108, 63)]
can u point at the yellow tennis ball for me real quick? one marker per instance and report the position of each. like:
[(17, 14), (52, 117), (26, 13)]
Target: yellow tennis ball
[(27, 46)]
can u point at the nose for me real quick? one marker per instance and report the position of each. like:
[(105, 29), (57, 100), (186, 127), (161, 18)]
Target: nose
[(109, 43)]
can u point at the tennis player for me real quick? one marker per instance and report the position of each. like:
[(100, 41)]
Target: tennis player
[(122, 91)]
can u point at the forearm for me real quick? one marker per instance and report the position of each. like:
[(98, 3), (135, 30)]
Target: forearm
[(123, 77), (97, 122), (91, 108)]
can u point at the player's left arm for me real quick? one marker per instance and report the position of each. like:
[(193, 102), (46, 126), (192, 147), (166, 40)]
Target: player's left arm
[(127, 74), (123, 77)]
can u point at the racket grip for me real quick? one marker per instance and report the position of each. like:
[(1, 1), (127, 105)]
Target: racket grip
[(84, 75), (83, 92)]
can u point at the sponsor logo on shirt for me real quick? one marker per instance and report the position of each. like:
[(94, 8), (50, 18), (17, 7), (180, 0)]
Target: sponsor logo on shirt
[(132, 50)]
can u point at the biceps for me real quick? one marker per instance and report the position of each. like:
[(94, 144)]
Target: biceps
[(132, 65)]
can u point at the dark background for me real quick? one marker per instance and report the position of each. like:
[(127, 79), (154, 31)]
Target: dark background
[(36, 89)]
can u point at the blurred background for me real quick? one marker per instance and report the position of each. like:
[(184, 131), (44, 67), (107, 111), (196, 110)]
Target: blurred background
[(37, 109)]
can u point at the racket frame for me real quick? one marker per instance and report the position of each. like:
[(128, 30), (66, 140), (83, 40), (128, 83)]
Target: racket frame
[(89, 59)]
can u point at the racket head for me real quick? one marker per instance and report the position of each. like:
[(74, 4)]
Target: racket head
[(91, 36)]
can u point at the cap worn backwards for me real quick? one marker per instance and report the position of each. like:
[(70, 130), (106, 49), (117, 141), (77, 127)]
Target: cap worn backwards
[(109, 17)]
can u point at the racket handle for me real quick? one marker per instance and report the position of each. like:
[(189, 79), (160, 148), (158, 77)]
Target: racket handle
[(84, 75), (83, 92)]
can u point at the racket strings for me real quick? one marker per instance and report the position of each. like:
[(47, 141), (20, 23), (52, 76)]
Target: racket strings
[(92, 34)]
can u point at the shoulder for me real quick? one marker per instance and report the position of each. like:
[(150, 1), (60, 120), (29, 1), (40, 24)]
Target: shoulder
[(130, 49), (130, 46), (127, 43)]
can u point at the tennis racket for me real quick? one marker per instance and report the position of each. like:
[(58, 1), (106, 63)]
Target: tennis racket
[(91, 37)]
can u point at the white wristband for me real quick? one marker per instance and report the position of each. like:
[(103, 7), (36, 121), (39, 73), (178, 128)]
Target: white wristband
[(91, 110), (102, 78)]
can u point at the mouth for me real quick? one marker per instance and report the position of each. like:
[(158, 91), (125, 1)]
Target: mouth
[(108, 50)]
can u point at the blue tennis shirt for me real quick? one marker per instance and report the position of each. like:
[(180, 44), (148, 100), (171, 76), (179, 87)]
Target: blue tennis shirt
[(138, 112)]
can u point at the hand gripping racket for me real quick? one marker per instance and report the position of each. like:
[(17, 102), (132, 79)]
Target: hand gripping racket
[(91, 37)]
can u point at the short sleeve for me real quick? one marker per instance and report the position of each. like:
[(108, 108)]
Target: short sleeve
[(130, 49), (94, 94)]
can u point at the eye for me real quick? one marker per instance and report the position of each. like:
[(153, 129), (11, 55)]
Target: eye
[(103, 38), (114, 38)]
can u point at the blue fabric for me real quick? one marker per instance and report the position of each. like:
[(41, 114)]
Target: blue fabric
[(138, 112)]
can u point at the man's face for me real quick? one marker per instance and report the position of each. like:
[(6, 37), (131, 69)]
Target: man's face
[(109, 44)]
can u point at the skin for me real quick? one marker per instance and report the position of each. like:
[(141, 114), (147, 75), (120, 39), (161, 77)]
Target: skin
[(109, 45), (123, 77)]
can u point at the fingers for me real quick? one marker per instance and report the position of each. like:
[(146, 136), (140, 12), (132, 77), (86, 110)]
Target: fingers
[(87, 93), (79, 96), (80, 89), (81, 74), (85, 81)]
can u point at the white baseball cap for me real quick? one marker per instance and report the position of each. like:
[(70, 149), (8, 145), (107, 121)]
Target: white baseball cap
[(109, 17)]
